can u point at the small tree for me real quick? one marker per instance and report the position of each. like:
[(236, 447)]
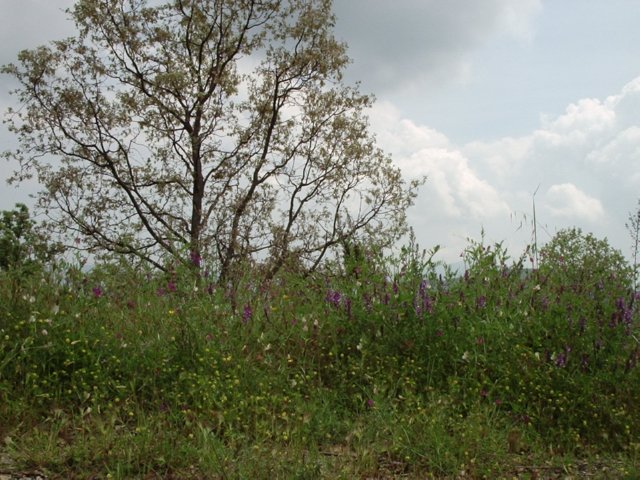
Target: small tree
[(572, 257), (22, 249), (217, 128)]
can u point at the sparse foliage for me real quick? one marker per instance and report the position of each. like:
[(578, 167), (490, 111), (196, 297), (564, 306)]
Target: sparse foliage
[(217, 129)]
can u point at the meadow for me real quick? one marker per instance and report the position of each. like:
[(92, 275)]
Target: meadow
[(375, 367)]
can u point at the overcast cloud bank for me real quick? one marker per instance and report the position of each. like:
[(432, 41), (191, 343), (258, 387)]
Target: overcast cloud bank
[(414, 44)]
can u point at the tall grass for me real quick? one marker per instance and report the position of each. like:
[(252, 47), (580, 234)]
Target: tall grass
[(382, 368)]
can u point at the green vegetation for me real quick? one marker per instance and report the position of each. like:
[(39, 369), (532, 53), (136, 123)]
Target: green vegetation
[(216, 336), (375, 368), (23, 250)]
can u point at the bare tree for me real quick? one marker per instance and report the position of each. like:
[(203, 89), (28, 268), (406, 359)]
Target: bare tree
[(193, 128)]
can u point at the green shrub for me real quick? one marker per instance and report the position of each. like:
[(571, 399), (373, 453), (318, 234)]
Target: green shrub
[(21, 246)]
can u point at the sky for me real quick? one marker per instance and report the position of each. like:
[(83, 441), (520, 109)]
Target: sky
[(500, 103)]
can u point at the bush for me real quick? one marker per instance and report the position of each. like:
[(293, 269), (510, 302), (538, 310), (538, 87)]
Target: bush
[(22, 248), (575, 259)]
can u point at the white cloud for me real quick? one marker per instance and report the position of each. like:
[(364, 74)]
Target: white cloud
[(453, 185), (500, 157), (586, 161), (587, 116), (626, 104), (567, 200), (632, 87), (620, 149), (400, 135)]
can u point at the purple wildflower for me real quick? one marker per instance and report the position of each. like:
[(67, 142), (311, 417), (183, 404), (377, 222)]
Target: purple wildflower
[(333, 297), (627, 316), (97, 292), (481, 301), (427, 304), (624, 314), (171, 286), (422, 289), (422, 303), (417, 307), (561, 360), (195, 258), (246, 313)]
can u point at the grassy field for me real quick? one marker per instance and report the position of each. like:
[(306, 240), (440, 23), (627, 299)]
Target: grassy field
[(376, 368)]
